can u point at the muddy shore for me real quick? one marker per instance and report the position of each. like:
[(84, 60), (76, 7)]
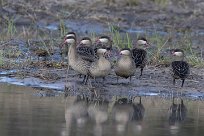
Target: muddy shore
[(155, 81)]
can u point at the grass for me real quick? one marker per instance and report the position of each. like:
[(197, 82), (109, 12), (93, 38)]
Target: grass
[(1, 58), (132, 2), (195, 61), (160, 54), (193, 57), (161, 3), (2, 2), (155, 55), (120, 40), (11, 28), (62, 27)]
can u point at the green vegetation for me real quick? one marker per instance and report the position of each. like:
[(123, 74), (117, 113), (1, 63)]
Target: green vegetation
[(132, 2), (159, 52), (2, 2), (11, 29), (63, 28), (120, 40), (155, 55), (161, 3), (1, 58)]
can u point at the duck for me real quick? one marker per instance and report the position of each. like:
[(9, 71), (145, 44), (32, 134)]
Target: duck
[(139, 54), (85, 49), (179, 68), (64, 51), (100, 67), (104, 42), (76, 62), (125, 65)]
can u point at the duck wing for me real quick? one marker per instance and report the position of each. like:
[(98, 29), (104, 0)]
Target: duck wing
[(107, 46), (86, 53), (139, 56), (180, 69)]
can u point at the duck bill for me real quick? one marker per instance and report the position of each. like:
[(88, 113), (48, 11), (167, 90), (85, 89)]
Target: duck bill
[(80, 44), (147, 45), (61, 45), (98, 41), (172, 53), (108, 54)]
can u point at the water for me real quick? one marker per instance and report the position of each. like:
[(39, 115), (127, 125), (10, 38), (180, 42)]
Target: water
[(25, 113)]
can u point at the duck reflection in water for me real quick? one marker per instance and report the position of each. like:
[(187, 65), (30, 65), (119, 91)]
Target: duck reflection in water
[(126, 111), (177, 114), (98, 112), (76, 113)]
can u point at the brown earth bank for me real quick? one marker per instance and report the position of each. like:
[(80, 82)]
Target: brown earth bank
[(155, 81)]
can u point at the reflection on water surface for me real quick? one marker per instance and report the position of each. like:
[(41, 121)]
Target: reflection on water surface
[(24, 113)]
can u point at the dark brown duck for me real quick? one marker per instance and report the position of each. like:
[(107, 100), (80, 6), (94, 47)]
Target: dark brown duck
[(140, 55), (104, 42), (85, 49), (179, 68)]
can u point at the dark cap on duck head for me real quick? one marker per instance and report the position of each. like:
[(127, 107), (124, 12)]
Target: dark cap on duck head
[(86, 41), (85, 38), (142, 41), (70, 34), (125, 51), (142, 38), (104, 39), (104, 36), (70, 39)]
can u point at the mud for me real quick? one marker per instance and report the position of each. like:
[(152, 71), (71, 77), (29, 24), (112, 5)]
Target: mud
[(180, 15), (155, 81)]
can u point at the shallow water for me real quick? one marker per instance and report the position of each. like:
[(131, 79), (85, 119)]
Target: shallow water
[(25, 113)]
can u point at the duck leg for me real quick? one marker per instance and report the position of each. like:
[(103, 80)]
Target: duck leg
[(174, 80), (104, 79), (87, 77), (140, 100), (182, 82), (141, 72), (84, 79), (130, 79), (95, 80)]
